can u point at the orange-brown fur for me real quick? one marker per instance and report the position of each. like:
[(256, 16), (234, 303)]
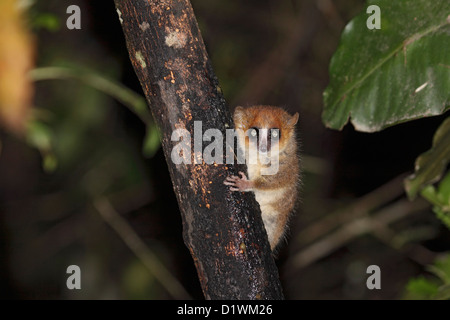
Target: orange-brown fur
[(276, 193)]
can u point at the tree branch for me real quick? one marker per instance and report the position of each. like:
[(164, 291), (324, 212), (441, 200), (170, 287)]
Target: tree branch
[(223, 230)]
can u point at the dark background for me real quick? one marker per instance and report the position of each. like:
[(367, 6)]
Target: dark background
[(263, 52)]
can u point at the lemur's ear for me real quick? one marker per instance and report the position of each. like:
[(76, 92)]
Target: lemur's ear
[(239, 117), (293, 120)]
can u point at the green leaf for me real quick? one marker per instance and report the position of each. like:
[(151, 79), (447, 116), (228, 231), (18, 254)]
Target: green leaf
[(39, 135), (444, 293), (444, 190), (398, 73), (443, 215), (47, 21), (441, 269), (440, 198), (430, 193), (433, 288), (50, 162), (151, 141), (421, 288), (431, 165)]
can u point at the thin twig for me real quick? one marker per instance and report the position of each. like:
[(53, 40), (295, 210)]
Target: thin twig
[(363, 206), (140, 249), (377, 224), (135, 102)]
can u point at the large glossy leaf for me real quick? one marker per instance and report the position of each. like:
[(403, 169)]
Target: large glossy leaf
[(400, 72)]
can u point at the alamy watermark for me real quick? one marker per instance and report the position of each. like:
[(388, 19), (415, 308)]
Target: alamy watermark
[(374, 20), (255, 147), (74, 280), (74, 20), (374, 280)]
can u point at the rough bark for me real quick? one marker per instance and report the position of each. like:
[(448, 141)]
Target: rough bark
[(223, 230)]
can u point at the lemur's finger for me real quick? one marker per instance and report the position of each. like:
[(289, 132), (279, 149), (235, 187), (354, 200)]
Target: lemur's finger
[(243, 177)]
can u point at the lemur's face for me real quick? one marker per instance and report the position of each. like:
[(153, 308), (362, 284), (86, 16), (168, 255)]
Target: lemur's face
[(263, 139), (265, 128)]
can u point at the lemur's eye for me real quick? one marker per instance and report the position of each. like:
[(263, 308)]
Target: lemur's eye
[(253, 132), (275, 133)]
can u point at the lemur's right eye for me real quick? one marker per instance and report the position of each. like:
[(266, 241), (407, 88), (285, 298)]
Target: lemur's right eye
[(253, 132)]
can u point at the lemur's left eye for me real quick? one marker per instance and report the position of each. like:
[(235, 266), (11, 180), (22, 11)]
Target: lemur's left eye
[(274, 133)]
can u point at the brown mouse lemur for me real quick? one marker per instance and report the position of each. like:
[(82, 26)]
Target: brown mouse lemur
[(267, 137)]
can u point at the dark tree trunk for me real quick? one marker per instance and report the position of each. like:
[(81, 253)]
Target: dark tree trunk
[(223, 230)]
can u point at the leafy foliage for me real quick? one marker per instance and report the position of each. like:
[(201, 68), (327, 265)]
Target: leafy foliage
[(438, 287), (382, 77), (440, 198), (46, 21), (431, 165), (401, 72)]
